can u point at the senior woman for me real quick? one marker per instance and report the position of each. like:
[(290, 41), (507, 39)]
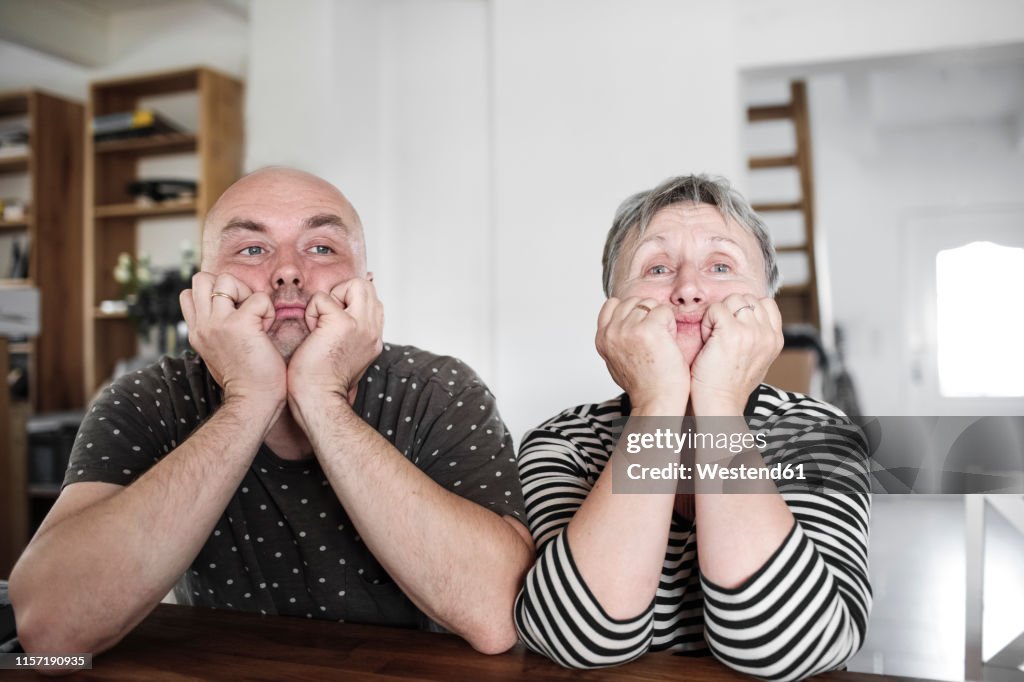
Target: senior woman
[(779, 586)]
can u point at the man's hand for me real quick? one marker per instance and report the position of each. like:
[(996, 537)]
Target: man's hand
[(227, 326), (637, 339), (742, 337), (346, 329)]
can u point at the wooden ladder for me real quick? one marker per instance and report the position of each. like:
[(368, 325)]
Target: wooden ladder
[(803, 302)]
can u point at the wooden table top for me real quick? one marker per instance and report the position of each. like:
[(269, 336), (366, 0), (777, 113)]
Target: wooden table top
[(181, 642)]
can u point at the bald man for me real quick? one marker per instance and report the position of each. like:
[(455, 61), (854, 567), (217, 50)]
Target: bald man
[(294, 464)]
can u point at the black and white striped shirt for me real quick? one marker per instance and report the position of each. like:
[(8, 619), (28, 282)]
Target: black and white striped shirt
[(803, 612)]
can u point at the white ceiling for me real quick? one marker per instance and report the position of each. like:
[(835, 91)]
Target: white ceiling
[(79, 30), (109, 7)]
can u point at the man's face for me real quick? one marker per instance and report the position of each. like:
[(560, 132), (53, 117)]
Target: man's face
[(690, 257), (288, 234)]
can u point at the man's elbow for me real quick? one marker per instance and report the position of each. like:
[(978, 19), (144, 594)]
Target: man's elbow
[(45, 629), (496, 638)]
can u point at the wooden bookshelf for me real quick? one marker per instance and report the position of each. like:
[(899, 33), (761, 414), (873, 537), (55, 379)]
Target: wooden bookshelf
[(53, 230), (111, 215), (53, 164)]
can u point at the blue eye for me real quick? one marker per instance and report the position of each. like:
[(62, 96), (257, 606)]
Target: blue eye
[(252, 251), (658, 270), (720, 268), (322, 250)]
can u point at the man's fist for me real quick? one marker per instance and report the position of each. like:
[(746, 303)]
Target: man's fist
[(346, 334), (227, 326)]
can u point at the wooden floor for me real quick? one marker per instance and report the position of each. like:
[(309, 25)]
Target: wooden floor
[(917, 572)]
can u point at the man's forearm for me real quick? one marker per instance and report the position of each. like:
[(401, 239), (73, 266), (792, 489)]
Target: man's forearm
[(84, 583), (458, 562)]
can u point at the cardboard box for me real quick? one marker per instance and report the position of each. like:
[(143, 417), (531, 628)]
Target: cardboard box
[(795, 369)]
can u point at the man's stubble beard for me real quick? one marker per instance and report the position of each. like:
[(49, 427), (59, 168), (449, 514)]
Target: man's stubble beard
[(288, 341)]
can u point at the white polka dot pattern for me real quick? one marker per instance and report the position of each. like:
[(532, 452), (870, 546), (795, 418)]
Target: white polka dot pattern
[(284, 544)]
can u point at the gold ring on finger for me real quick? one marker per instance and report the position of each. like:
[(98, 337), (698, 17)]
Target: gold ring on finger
[(739, 310)]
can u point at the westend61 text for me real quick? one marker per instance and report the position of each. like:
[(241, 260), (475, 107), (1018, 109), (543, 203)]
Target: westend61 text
[(716, 472), (662, 439)]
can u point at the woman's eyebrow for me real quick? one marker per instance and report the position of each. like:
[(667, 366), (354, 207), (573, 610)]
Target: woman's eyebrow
[(718, 239)]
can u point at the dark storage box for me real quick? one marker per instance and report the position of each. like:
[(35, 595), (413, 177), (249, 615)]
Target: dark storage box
[(50, 437)]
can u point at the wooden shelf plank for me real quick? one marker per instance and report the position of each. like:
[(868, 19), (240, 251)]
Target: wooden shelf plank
[(785, 206), (769, 113), (14, 164), (12, 225), (153, 145), (100, 315), (756, 162), (137, 211), (794, 248), (19, 348), (151, 84), (794, 290), (15, 282)]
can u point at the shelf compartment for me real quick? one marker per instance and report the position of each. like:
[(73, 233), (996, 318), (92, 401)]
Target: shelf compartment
[(102, 315), (14, 164)]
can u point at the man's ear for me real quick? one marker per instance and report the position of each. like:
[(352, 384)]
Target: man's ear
[(369, 276)]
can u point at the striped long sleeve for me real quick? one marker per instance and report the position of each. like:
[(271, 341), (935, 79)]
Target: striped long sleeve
[(803, 612)]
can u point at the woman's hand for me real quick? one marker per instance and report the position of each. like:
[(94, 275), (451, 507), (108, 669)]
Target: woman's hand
[(637, 339), (742, 337)]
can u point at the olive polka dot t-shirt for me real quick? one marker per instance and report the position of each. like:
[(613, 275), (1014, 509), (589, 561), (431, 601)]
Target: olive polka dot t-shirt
[(285, 545)]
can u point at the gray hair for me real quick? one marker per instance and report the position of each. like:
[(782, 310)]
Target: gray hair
[(635, 214)]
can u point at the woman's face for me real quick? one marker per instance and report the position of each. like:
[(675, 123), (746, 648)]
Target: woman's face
[(688, 258)]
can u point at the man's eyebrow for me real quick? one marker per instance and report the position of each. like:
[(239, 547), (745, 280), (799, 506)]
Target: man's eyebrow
[(236, 225), (327, 220), (241, 225)]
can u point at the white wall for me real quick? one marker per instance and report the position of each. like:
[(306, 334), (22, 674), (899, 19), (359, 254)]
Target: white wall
[(486, 156), (800, 32), (641, 91), (389, 100), (23, 69)]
